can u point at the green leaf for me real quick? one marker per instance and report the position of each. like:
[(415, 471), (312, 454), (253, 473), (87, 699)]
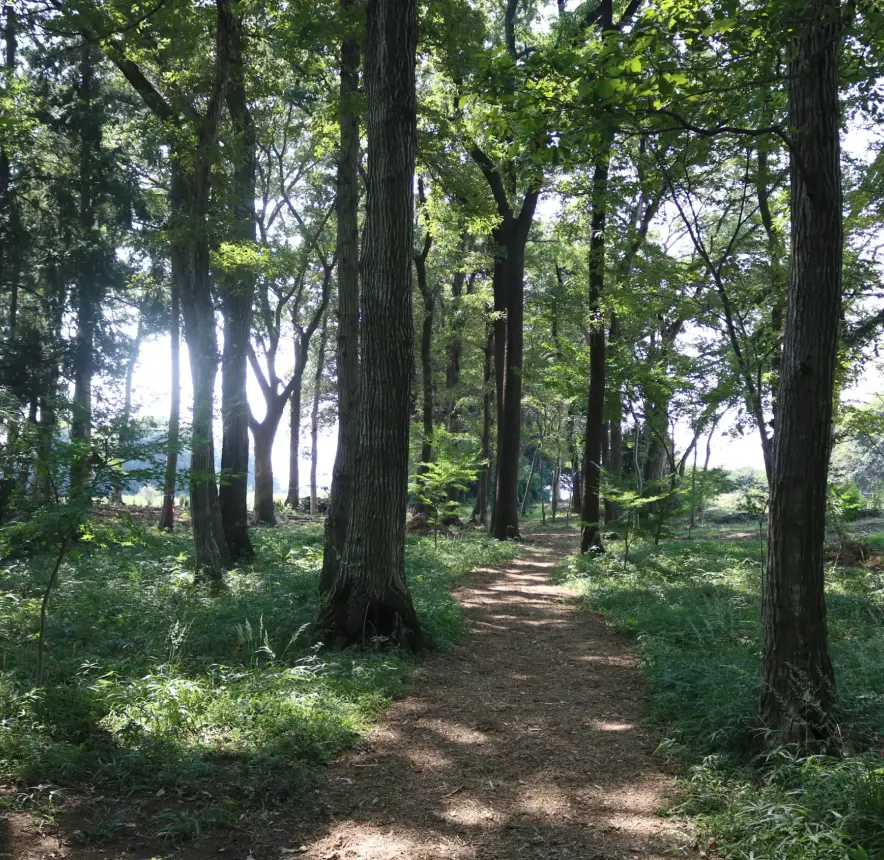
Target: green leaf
[(605, 88)]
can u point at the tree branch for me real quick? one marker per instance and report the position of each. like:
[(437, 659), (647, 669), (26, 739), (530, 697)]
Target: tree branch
[(495, 181)]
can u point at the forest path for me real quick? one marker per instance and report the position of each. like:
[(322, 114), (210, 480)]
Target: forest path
[(524, 741)]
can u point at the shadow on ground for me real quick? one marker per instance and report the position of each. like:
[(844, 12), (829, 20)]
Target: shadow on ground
[(525, 741)]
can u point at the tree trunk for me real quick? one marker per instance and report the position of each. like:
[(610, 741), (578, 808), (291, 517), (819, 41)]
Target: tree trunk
[(11, 236), (88, 279), (237, 292), (189, 193), (167, 514), (797, 679), (233, 490), (347, 346), (452, 370), (265, 510), (190, 268), (509, 279), (293, 496), (314, 416), (556, 488), (527, 492), (615, 431), (590, 536), (576, 485), (420, 264), (369, 597)]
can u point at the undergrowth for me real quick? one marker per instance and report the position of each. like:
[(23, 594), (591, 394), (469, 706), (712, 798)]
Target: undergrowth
[(157, 687), (693, 608)]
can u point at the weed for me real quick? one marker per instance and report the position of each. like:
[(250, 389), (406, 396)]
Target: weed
[(99, 831), (176, 826)]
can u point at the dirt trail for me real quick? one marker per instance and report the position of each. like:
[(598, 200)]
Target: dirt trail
[(525, 741)]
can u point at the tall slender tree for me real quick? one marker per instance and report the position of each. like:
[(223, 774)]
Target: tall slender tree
[(797, 679), (191, 158), (237, 288)]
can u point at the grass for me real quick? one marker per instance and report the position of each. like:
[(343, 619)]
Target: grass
[(157, 688), (693, 608)]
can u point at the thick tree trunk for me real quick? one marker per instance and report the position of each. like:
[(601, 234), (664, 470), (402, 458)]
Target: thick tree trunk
[(347, 347), (369, 596), (314, 417), (576, 485), (797, 680), (167, 514), (265, 510), (509, 285), (590, 537), (233, 490), (190, 268), (237, 292)]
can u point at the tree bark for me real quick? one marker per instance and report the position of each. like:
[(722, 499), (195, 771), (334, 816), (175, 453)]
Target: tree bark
[(509, 285), (314, 416), (190, 267), (590, 536), (167, 514), (615, 430), (452, 370), (797, 679), (237, 293), (429, 300), (233, 489), (11, 237), (369, 597), (347, 346), (264, 509), (293, 495), (88, 277)]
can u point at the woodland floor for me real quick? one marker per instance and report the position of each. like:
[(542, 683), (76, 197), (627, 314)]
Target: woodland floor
[(524, 741)]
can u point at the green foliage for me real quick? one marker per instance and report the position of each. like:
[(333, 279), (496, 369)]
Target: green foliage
[(454, 466), (694, 608), (153, 685), (845, 501)]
